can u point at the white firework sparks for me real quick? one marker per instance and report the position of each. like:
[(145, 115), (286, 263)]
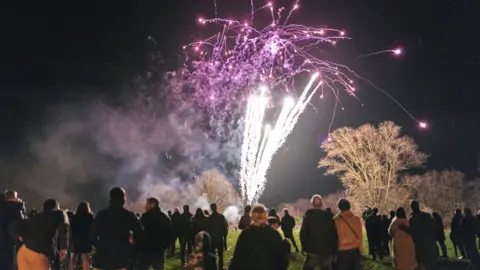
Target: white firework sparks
[(261, 142)]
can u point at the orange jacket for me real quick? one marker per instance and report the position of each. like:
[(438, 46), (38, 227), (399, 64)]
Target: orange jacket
[(346, 237)]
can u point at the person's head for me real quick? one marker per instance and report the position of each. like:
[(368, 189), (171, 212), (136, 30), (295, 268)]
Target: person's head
[(151, 203), (400, 213), (213, 207), (374, 211), (169, 212), (272, 212), (317, 201), (186, 209), (467, 211), (118, 196), (50, 205), (206, 212), (83, 208), (70, 214), (328, 209), (343, 205), (202, 242), (176, 210), (415, 206), (458, 212), (248, 209), (11, 195), (259, 215), (274, 223), (199, 213), (392, 213), (285, 212)]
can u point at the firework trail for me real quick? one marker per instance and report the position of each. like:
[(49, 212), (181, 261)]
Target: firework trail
[(396, 52), (261, 142)]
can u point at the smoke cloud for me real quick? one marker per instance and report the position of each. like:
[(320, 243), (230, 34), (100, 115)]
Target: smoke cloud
[(88, 147)]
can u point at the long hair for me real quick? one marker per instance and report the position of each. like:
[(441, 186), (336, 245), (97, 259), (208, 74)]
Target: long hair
[(83, 208)]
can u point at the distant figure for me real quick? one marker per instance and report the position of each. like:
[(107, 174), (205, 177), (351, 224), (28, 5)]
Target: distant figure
[(32, 212), (169, 213), (199, 222), (390, 219), (403, 248), (440, 233), (318, 236), (329, 210), (468, 231), (385, 236), (113, 232), (202, 258), (422, 228), (185, 233), (158, 236), (176, 223), (81, 224), (350, 237), (374, 226), (288, 224), (273, 213), (12, 210), (456, 235), (245, 220), (217, 228), (206, 213), (259, 247), (40, 236), (366, 213)]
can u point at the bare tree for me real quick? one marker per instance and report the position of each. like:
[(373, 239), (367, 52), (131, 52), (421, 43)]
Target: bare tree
[(368, 159), (442, 191), (216, 188)]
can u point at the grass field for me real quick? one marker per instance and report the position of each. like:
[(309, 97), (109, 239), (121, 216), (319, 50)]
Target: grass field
[(297, 258)]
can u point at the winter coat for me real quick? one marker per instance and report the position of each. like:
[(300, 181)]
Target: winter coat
[(199, 223), (318, 233), (259, 248), (184, 227), (111, 233), (245, 221), (403, 252), (422, 229), (374, 226), (288, 223), (217, 227), (44, 233), (158, 231)]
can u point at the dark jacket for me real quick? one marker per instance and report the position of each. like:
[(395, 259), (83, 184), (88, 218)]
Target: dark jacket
[(217, 227), (176, 222), (374, 226), (10, 212), (110, 235), (44, 231), (81, 225), (422, 228), (288, 223), (158, 231), (318, 234), (455, 225), (199, 223), (439, 229), (184, 227), (244, 222), (259, 248), (468, 228)]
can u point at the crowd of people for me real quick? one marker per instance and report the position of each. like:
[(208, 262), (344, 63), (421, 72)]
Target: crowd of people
[(116, 238)]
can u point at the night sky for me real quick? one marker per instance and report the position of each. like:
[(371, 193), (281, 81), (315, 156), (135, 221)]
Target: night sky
[(58, 51)]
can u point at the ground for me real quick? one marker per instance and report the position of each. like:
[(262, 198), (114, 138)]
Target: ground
[(297, 258)]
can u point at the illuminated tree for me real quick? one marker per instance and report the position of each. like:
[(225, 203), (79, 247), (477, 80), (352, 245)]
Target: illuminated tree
[(368, 159), (216, 188), (441, 191)]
